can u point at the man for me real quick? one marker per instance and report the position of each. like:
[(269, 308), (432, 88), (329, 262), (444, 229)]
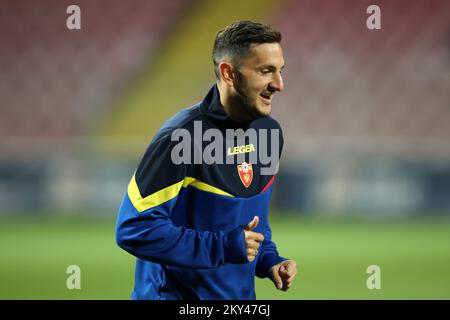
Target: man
[(200, 230)]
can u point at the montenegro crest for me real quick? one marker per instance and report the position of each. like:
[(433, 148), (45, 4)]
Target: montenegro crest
[(245, 171)]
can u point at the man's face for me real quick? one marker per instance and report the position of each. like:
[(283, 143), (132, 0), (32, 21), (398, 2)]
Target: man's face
[(258, 78)]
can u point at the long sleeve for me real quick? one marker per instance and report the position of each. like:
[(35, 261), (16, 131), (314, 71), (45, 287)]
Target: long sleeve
[(144, 226), (268, 255)]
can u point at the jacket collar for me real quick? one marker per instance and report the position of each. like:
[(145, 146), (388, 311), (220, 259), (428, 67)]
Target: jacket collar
[(213, 109)]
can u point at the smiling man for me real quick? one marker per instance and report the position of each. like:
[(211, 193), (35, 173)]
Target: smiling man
[(248, 79), (201, 230)]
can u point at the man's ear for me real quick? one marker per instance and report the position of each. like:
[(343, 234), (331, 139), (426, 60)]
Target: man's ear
[(227, 73)]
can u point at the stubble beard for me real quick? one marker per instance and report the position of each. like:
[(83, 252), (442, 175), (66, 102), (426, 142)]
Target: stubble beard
[(243, 99)]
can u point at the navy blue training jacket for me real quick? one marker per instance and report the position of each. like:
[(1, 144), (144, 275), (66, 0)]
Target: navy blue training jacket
[(185, 222)]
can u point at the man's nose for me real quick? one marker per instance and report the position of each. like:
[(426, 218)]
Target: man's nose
[(277, 83)]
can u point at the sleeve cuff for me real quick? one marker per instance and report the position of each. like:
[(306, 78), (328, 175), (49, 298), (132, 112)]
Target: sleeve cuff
[(266, 263), (234, 246)]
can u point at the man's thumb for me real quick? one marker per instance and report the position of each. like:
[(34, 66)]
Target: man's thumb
[(252, 224)]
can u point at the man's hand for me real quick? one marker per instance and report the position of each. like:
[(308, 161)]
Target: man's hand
[(283, 274), (252, 239)]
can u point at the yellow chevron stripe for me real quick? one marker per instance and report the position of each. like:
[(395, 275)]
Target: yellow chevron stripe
[(170, 192), (204, 186)]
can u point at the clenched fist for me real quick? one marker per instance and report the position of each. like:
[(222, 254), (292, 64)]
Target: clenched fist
[(252, 239), (283, 274)]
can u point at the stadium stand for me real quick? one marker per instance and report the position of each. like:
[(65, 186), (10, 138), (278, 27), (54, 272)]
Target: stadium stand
[(365, 113), (55, 82), (349, 85), (55, 85)]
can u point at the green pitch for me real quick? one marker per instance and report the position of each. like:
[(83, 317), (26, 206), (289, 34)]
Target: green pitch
[(333, 256)]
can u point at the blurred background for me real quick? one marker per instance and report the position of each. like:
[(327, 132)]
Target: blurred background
[(365, 174)]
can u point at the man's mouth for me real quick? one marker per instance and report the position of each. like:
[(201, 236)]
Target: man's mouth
[(266, 98)]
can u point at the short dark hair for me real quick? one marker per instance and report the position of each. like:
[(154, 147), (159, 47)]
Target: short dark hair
[(235, 39)]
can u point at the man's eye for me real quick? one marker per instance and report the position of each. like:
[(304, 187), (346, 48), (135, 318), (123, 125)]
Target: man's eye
[(265, 71)]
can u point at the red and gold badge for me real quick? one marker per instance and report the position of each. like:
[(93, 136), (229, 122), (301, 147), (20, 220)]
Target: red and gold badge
[(245, 171)]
